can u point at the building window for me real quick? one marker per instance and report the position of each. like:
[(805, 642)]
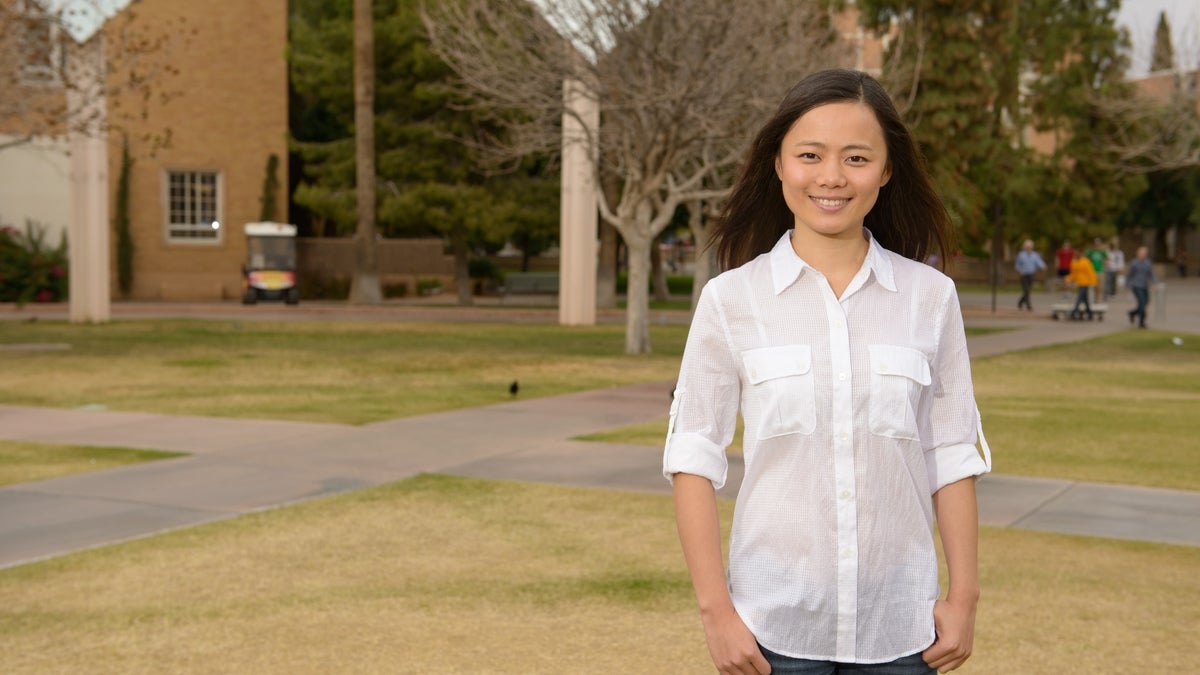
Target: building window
[(40, 48), (193, 198)]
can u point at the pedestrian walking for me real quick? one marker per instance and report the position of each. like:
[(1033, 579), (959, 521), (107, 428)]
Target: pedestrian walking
[(1083, 276), (1062, 264), (1028, 263), (1114, 270), (1098, 255), (846, 357), (1138, 279)]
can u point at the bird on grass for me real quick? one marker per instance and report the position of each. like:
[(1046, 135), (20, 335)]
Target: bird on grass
[(514, 388)]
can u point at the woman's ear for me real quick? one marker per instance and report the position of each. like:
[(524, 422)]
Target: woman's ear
[(778, 168), (887, 175)]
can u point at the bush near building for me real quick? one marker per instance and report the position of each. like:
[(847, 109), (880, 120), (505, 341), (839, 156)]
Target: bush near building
[(31, 270)]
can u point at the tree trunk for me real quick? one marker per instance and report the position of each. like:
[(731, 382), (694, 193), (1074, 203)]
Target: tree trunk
[(606, 270), (462, 265), (704, 265), (637, 297), (658, 272), (364, 285), (1159, 252), (997, 254)]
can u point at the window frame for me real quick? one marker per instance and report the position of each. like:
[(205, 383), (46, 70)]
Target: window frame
[(47, 73), (173, 231)]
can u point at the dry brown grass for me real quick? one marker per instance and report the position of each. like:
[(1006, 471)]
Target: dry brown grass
[(447, 575)]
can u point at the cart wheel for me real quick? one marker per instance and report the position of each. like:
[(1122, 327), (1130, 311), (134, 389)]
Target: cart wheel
[(293, 296), (250, 296)]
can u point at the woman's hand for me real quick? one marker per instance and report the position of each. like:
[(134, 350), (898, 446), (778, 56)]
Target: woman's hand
[(954, 623), (732, 646)]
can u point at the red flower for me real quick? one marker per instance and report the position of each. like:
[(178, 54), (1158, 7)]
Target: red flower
[(57, 272), (44, 296)]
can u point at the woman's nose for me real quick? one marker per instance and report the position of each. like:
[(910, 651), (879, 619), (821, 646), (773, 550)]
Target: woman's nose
[(831, 175)]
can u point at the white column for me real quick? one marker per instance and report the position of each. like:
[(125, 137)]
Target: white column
[(577, 237), (88, 237)]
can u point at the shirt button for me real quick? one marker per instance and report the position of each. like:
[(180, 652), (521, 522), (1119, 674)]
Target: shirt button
[(845, 494), (847, 554), (843, 436), (842, 376)]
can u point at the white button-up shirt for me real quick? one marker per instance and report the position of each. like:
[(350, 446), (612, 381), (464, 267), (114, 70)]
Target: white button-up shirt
[(856, 411)]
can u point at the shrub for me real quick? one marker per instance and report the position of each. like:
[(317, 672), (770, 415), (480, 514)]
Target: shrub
[(677, 284), (395, 290), (484, 269), (315, 287), (428, 286), (30, 270)]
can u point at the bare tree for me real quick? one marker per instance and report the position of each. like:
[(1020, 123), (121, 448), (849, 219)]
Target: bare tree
[(1159, 130), (681, 85), (1154, 135), (702, 216), (47, 90), (364, 285)]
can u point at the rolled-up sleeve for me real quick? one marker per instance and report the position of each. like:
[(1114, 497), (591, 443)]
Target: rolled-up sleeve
[(951, 427), (705, 405)]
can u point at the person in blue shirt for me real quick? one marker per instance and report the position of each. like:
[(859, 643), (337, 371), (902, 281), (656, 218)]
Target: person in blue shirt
[(1029, 262), (1138, 279)]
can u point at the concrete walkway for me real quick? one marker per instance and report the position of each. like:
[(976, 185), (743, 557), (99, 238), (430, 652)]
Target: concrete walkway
[(240, 466)]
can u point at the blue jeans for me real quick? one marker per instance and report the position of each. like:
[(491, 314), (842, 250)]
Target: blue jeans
[(1142, 294), (1082, 299), (786, 665)]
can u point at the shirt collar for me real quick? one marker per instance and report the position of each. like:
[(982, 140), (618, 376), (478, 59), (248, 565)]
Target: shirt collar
[(786, 266)]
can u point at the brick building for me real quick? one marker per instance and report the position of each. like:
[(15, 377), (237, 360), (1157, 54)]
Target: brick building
[(200, 135), (225, 111)]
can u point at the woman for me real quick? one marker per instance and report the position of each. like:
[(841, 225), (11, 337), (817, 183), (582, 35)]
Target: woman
[(848, 362)]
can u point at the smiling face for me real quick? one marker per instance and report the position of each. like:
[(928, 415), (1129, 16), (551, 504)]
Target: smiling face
[(832, 163)]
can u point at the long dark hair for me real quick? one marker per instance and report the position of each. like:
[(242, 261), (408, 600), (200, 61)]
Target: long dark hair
[(908, 217)]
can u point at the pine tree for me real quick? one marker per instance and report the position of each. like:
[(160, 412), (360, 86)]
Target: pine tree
[(428, 183), (1163, 57), (981, 77)]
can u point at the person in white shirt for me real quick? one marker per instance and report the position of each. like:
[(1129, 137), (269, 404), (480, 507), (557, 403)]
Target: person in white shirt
[(1114, 271), (848, 363)]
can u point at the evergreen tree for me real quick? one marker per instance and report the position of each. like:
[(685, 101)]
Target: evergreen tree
[(1163, 57), (1171, 201), (427, 181), (982, 77)]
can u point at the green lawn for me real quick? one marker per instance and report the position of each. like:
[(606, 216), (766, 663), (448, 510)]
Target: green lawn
[(22, 462), (317, 371), (439, 574), (1117, 409)]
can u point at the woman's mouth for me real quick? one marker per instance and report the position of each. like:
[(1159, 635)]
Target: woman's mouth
[(828, 203)]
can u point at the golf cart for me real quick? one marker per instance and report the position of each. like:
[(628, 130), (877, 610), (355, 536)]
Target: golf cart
[(269, 272)]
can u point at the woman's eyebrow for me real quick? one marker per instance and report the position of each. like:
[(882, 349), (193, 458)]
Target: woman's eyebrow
[(823, 146)]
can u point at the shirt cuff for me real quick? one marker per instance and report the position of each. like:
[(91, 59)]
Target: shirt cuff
[(695, 454), (952, 463)]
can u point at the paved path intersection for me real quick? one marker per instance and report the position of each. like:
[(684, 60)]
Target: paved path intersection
[(239, 466)]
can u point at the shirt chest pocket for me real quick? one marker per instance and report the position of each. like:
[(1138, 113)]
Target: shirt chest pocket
[(898, 377), (781, 382)]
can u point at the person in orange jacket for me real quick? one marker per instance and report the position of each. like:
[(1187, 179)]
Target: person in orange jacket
[(1083, 275)]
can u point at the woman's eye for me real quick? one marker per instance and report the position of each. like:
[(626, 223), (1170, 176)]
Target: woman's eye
[(857, 159), (807, 155)]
